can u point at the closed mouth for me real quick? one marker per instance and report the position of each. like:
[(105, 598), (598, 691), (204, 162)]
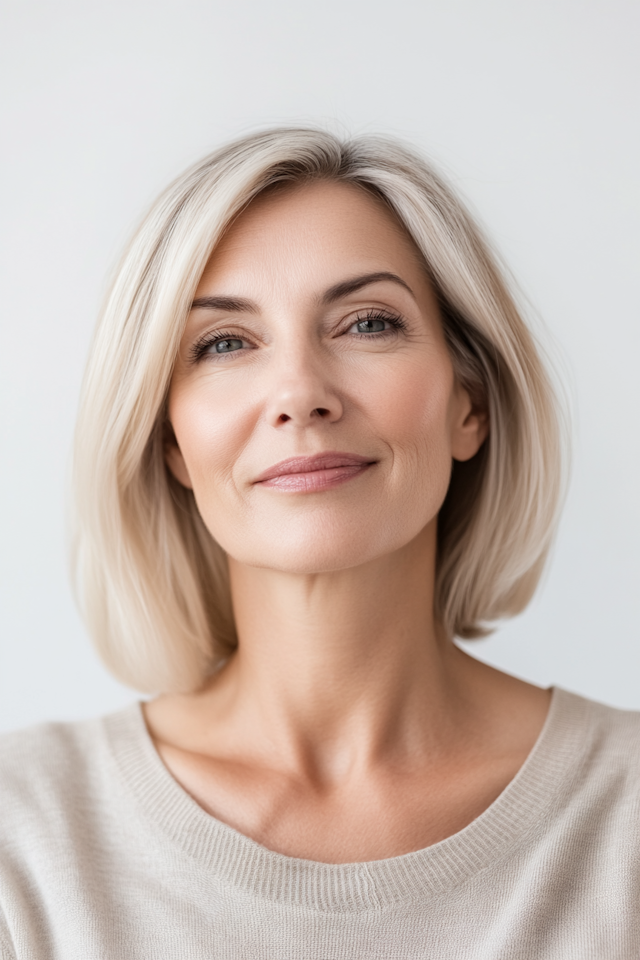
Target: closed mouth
[(315, 472)]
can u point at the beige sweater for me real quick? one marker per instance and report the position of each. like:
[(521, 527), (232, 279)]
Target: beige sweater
[(104, 857)]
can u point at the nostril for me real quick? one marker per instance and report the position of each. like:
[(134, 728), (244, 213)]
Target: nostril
[(318, 412)]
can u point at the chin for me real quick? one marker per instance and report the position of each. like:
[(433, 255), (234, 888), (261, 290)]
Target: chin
[(326, 550)]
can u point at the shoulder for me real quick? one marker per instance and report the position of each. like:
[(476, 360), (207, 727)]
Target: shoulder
[(613, 730), (52, 751), (63, 811), (608, 739), (46, 769)]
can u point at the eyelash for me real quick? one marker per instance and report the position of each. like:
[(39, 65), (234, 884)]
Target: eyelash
[(392, 319), (200, 347)]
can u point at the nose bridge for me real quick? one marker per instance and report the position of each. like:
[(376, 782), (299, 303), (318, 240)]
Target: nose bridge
[(301, 389)]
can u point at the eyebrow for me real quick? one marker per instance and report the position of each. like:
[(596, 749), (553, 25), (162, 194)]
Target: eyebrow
[(346, 287), (336, 292), (232, 304)]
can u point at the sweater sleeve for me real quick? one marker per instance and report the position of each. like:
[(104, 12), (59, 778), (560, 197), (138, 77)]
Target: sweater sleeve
[(6, 949)]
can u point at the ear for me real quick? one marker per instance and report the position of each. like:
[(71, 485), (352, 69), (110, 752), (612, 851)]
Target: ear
[(174, 459), (470, 426)]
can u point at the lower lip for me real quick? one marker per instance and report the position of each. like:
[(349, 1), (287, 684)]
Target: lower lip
[(316, 480)]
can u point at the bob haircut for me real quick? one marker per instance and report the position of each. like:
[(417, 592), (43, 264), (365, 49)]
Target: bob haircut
[(152, 582)]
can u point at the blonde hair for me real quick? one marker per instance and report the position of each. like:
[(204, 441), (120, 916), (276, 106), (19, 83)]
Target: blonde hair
[(152, 581)]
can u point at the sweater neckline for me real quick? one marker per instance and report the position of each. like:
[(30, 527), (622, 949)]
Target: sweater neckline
[(517, 814)]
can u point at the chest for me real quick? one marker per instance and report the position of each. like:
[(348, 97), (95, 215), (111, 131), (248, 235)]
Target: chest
[(367, 818)]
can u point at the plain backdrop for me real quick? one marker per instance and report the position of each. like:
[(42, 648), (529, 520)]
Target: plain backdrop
[(530, 108)]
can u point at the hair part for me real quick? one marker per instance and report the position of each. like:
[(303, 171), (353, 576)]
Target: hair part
[(151, 580)]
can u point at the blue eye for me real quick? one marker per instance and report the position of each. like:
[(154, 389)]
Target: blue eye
[(227, 345), (217, 345), (375, 322)]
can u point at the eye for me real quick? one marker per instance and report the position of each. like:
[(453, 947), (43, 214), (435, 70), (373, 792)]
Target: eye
[(228, 345), (374, 322), (373, 325), (217, 345)]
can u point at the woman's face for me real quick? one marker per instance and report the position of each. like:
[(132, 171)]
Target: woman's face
[(313, 402)]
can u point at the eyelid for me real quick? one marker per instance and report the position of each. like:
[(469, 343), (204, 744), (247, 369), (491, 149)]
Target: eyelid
[(377, 313), (199, 347)]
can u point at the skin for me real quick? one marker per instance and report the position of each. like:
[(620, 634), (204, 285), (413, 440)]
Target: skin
[(346, 727)]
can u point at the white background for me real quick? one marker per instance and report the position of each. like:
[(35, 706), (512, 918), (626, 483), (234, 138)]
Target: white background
[(530, 107)]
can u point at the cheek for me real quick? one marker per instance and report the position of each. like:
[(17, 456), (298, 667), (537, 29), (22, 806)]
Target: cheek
[(413, 418), (211, 431), (412, 412)]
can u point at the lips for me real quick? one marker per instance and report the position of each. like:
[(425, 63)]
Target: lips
[(311, 474)]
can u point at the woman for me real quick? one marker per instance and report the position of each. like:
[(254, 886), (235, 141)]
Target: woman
[(316, 444)]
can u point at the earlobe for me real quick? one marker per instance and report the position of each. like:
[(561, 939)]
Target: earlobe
[(174, 459)]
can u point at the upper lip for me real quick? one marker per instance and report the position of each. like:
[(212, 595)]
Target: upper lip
[(321, 461)]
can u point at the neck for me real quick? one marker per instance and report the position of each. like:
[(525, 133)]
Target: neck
[(346, 726), (344, 662)]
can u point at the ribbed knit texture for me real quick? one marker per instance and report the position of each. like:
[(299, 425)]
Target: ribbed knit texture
[(103, 856)]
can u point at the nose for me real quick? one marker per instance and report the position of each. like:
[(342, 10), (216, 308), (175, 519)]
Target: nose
[(302, 395)]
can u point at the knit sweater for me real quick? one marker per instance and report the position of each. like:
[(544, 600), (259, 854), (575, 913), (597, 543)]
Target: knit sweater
[(103, 856)]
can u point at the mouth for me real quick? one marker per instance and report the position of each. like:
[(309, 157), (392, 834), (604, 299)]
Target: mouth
[(313, 474)]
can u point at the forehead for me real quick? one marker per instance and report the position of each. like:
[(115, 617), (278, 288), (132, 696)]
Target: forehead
[(304, 232)]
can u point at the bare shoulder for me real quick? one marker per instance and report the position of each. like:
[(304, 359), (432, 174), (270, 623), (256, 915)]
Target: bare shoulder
[(517, 712), (510, 712)]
